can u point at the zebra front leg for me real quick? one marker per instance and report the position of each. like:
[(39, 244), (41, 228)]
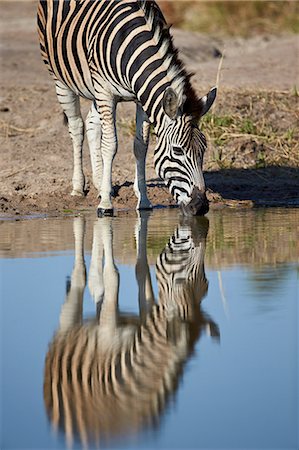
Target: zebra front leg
[(107, 108), (93, 132), (140, 151), (70, 104)]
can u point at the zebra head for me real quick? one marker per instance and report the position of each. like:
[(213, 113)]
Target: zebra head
[(179, 153)]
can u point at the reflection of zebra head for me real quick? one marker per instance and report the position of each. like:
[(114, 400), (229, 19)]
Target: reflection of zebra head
[(180, 151), (181, 278), (113, 375)]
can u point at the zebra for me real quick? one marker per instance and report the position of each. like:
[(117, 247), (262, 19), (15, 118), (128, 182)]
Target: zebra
[(112, 51), (114, 373)]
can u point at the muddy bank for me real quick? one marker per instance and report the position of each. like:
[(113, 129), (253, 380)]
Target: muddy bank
[(235, 188)]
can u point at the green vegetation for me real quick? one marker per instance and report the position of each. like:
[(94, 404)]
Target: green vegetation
[(127, 126), (248, 130), (68, 211), (252, 130), (245, 18)]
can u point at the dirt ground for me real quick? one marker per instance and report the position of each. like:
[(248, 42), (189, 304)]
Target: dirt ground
[(36, 152)]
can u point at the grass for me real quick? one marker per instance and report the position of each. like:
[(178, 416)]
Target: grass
[(8, 130), (238, 18), (252, 130), (127, 126), (248, 130)]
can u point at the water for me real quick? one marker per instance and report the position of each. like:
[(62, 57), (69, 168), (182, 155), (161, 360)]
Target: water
[(201, 352)]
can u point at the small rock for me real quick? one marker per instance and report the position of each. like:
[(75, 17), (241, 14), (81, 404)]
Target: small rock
[(217, 53)]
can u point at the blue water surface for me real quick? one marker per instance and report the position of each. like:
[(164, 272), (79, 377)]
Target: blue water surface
[(237, 392)]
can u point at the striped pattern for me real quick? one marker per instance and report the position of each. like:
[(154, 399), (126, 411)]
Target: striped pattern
[(115, 373), (110, 51), (180, 273), (180, 135)]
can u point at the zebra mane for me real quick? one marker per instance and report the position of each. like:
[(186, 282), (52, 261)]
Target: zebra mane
[(181, 78)]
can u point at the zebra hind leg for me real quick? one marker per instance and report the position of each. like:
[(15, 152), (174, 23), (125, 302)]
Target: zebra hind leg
[(140, 150), (93, 133), (70, 104)]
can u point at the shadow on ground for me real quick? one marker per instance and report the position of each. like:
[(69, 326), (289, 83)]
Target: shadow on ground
[(270, 186)]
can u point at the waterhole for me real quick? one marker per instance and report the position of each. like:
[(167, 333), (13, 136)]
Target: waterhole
[(150, 331)]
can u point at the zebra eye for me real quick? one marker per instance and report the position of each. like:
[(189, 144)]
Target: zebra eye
[(178, 151)]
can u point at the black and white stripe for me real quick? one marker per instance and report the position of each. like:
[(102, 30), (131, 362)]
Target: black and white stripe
[(114, 373), (110, 51)]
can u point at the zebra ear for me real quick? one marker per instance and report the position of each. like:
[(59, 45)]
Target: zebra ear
[(207, 101), (170, 103)]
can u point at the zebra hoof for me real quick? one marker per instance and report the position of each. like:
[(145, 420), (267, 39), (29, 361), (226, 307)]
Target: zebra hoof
[(145, 208), (102, 212), (76, 193)]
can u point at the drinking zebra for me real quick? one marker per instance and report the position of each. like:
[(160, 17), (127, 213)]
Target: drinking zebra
[(112, 51), (114, 373)]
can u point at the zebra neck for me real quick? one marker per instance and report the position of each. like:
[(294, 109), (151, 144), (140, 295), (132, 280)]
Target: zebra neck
[(151, 97), (160, 121), (157, 118)]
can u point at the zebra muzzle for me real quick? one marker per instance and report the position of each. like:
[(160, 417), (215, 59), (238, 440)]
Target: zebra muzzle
[(198, 206)]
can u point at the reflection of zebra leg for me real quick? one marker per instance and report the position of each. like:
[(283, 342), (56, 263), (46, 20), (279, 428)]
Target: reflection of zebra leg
[(71, 311), (109, 310), (95, 276), (145, 290)]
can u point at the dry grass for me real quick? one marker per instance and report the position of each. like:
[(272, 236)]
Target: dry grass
[(248, 130), (8, 130), (238, 18), (253, 130)]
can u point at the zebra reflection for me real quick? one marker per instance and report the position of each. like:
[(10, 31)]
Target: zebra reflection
[(113, 374)]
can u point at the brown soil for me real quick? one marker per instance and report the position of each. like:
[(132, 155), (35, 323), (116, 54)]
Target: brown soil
[(36, 156)]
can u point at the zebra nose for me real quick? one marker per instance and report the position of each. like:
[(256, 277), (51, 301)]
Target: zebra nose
[(199, 204)]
